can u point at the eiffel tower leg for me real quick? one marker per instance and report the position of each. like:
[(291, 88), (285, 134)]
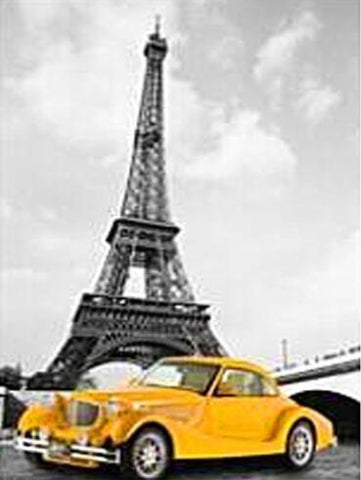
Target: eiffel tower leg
[(181, 288), (115, 271), (157, 281), (66, 369)]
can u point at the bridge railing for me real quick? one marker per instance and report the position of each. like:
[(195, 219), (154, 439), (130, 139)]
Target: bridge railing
[(328, 359)]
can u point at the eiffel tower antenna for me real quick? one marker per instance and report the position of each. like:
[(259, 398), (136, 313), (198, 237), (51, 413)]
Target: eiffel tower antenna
[(157, 24), (108, 325)]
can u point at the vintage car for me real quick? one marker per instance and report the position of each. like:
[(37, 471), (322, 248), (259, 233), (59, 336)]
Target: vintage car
[(181, 408)]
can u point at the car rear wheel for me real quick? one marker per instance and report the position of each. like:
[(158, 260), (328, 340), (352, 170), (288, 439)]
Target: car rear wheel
[(300, 445), (149, 455)]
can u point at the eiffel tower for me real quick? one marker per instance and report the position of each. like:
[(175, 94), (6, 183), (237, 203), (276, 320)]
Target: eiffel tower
[(107, 325)]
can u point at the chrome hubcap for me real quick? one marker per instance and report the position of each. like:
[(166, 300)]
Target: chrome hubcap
[(149, 456), (301, 445)]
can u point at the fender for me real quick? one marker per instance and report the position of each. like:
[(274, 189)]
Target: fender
[(36, 416), (288, 418), (121, 432)]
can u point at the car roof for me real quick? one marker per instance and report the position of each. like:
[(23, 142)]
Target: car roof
[(227, 362)]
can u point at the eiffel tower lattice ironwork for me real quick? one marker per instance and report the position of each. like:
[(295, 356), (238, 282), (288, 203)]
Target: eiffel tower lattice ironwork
[(108, 325)]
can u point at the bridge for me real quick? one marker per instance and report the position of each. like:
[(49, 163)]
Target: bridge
[(330, 384)]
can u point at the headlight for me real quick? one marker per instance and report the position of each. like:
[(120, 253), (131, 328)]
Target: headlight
[(34, 433), (44, 433), (83, 439), (116, 407)]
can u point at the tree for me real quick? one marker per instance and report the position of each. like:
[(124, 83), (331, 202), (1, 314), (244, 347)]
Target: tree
[(10, 377)]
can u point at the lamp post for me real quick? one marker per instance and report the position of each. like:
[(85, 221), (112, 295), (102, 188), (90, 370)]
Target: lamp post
[(284, 350)]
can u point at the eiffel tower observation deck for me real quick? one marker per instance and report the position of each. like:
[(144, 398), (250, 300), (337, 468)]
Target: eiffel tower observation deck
[(107, 325)]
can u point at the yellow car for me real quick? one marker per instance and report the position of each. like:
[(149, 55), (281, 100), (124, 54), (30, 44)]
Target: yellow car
[(181, 408)]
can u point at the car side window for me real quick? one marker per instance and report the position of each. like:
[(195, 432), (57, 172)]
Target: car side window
[(244, 383)]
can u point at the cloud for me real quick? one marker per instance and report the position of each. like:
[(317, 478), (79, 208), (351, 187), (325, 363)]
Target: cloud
[(22, 274), (83, 84), (228, 52), (185, 107), (47, 214), (53, 242), (316, 100), (315, 304), (339, 276), (6, 209), (327, 292), (278, 54), (38, 14), (109, 161), (202, 13), (42, 213), (246, 149), (83, 89)]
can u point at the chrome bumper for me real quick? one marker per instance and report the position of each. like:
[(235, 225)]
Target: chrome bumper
[(50, 450)]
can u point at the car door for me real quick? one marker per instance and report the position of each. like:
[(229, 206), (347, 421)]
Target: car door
[(244, 406)]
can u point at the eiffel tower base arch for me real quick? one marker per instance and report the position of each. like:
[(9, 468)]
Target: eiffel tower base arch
[(111, 328)]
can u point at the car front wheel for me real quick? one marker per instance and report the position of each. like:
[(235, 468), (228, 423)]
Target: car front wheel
[(300, 445), (149, 455), (36, 459)]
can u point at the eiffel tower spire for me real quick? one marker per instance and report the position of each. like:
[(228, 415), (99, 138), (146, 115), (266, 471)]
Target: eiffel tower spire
[(108, 325), (146, 195)]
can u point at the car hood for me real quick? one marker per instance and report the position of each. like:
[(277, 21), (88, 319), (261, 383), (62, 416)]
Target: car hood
[(141, 395)]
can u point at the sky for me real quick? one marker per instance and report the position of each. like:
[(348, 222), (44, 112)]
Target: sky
[(262, 152)]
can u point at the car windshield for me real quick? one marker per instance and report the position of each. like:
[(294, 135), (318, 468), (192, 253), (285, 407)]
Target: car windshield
[(184, 375)]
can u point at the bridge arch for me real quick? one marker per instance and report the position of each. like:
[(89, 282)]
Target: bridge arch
[(342, 410)]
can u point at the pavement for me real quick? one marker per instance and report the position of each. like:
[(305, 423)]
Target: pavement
[(340, 464)]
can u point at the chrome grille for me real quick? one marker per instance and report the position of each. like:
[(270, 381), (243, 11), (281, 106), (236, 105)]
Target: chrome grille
[(81, 414)]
